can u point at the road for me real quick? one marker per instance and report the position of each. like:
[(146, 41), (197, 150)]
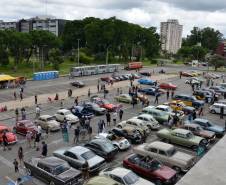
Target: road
[(55, 139)]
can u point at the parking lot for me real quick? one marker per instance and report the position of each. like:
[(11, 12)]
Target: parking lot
[(55, 140)]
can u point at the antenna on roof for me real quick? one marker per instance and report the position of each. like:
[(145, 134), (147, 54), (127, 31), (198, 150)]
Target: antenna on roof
[(45, 7)]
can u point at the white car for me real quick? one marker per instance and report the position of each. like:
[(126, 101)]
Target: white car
[(136, 123), (125, 176), (216, 108), (64, 113), (120, 142), (47, 121), (149, 120), (168, 109)]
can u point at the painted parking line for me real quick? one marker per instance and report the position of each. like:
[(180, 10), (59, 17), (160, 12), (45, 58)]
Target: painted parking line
[(6, 162)]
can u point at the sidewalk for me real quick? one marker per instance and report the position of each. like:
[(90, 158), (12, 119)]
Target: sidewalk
[(43, 98)]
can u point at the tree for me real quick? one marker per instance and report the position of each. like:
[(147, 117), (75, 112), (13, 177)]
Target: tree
[(55, 58), (216, 60)]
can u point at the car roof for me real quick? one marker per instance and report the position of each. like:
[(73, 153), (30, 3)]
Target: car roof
[(63, 110), (182, 131), (163, 106), (193, 125), (51, 161), (135, 120), (148, 116), (98, 141), (78, 150), (45, 116), (161, 145), (119, 171), (201, 120)]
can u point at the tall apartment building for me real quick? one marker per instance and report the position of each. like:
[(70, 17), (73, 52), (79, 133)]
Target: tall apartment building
[(8, 25), (171, 36)]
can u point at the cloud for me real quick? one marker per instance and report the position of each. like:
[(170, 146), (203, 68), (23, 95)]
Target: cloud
[(147, 13)]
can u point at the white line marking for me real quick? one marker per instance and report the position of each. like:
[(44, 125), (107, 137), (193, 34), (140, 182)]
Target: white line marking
[(6, 162)]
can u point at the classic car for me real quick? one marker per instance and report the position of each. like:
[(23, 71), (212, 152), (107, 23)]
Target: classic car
[(101, 180), (216, 108), (169, 86), (181, 137), (81, 111), (120, 142), (23, 126), (137, 124), (77, 155), (189, 100), (47, 121), (167, 154), (124, 176), (204, 95), (186, 74), (145, 73), (219, 89), (208, 125), (53, 171), (103, 148), (94, 108), (150, 168), (136, 76), (146, 81), (64, 113), (105, 104), (11, 137), (176, 105), (125, 98), (129, 133), (161, 116), (149, 121), (107, 79), (169, 110), (78, 84), (150, 91), (199, 131)]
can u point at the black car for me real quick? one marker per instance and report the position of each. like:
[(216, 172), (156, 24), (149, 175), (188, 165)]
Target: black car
[(145, 73), (94, 108), (53, 171), (103, 148), (134, 138), (81, 111), (78, 84)]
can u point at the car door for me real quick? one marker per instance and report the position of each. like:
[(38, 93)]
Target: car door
[(163, 155), (44, 173), (21, 128), (72, 159)]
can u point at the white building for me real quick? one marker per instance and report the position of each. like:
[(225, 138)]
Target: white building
[(8, 25), (171, 36)]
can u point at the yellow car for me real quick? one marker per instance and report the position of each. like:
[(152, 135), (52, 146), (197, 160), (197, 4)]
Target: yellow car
[(176, 105), (195, 73)]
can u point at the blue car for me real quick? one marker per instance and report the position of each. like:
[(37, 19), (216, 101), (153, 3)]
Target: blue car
[(80, 112), (149, 91), (146, 81), (208, 125)]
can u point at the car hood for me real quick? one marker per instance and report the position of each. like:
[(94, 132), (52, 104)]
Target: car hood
[(71, 117), (109, 106), (207, 133), (217, 128), (69, 174), (183, 157), (142, 181), (165, 172), (53, 123), (95, 160), (11, 136)]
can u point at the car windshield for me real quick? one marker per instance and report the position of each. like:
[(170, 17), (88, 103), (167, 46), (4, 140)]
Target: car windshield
[(155, 164), (61, 168), (88, 155), (67, 113), (50, 119), (209, 124), (189, 135), (108, 147), (171, 151), (130, 178)]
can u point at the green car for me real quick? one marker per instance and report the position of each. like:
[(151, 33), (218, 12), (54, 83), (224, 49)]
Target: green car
[(101, 180), (125, 98), (161, 116), (182, 137)]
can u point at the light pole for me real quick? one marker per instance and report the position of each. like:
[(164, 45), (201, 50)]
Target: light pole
[(78, 51)]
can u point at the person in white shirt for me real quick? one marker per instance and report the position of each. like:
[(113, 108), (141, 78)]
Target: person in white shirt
[(114, 117), (37, 112)]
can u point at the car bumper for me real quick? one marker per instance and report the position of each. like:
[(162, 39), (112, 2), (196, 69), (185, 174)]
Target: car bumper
[(125, 146)]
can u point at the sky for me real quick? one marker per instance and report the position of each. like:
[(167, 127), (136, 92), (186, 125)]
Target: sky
[(190, 13)]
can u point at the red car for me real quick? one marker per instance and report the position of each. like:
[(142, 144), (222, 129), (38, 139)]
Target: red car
[(23, 126), (151, 169), (169, 86), (107, 79), (103, 103), (11, 137)]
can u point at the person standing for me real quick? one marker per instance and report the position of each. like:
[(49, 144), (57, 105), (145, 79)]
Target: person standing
[(133, 101), (36, 99), (172, 93), (37, 112), (29, 138), (5, 141), (221, 112), (194, 116), (156, 98), (36, 141), (76, 101), (99, 126), (90, 131), (85, 170), (114, 116), (56, 97), (17, 114), (89, 92), (201, 111), (21, 155), (21, 96), (167, 94), (23, 113), (76, 134), (98, 87), (120, 114), (108, 118), (16, 165), (44, 149), (15, 96), (39, 130)]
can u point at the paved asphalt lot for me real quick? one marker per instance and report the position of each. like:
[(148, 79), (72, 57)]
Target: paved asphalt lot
[(55, 139)]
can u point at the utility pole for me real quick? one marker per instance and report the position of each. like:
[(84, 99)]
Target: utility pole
[(78, 52)]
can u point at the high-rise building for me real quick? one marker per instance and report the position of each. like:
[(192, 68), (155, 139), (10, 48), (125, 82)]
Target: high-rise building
[(171, 36), (8, 25)]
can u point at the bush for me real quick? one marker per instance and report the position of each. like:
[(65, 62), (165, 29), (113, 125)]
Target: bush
[(83, 58)]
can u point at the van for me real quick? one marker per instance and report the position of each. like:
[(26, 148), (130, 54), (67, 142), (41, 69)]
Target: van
[(216, 108)]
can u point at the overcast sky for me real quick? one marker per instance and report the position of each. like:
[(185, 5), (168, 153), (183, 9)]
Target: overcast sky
[(147, 13)]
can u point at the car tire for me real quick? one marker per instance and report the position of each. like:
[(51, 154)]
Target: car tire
[(51, 183), (166, 140), (194, 148), (119, 126), (213, 111), (28, 172), (177, 169), (158, 182)]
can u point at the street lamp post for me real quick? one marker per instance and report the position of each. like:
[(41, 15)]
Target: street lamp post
[(78, 51)]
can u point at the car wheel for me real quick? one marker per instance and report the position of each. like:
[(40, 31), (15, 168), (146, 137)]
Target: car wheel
[(194, 147), (51, 183), (213, 111), (119, 126), (116, 147), (177, 169), (28, 172), (158, 182)]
